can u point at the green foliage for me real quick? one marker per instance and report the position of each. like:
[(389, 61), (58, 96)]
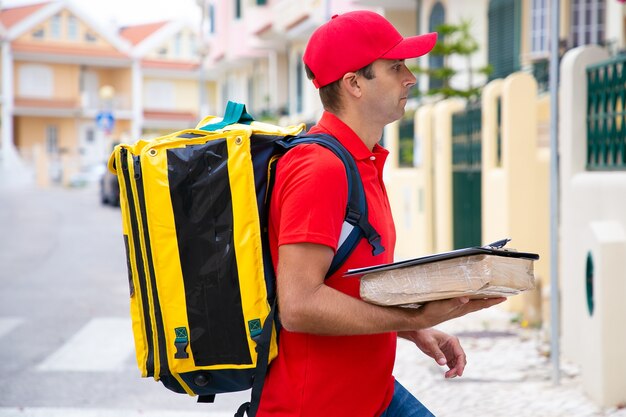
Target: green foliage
[(454, 40), (405, 140)]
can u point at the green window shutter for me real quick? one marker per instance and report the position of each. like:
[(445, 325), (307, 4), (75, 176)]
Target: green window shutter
[(237, 9), (437, 17), (504, 37)]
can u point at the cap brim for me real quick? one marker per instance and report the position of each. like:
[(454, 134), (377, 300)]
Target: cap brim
[(412, 47)]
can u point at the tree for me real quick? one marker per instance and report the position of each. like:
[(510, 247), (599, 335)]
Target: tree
[(454, 40)]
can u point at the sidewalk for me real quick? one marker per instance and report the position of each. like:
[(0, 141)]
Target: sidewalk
[(508, 373)]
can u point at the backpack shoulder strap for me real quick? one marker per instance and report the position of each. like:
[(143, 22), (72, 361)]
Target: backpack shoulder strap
[(356, 225)]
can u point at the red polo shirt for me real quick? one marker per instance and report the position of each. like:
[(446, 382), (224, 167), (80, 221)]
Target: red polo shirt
[(329, 376)]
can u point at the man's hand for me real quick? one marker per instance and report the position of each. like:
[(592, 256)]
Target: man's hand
[(443, 348), (433, 313)]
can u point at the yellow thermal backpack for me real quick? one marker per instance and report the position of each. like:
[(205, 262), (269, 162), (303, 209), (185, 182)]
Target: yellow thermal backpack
[(194, 211)]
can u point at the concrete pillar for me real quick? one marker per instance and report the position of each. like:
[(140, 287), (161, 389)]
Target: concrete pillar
[(593, 245), (9, 154), (136, 129), (572, 149), (42, 166), (424, 159), (495, 208), (410, 188), (527, 184), (443, 172), (604, 367), (391, 138)]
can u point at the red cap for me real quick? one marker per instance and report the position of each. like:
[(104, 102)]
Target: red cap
[(353, 40)]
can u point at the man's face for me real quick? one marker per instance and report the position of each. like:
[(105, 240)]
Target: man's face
[(386, 94)]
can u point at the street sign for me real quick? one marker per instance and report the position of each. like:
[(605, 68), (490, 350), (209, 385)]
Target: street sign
[(105, 121)]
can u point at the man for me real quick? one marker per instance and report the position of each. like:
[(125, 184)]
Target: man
[(336, 352)]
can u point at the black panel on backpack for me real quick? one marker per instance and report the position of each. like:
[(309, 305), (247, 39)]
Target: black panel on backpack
[(200, 195)]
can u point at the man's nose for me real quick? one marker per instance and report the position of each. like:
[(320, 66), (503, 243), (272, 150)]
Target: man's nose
[(410, 80)]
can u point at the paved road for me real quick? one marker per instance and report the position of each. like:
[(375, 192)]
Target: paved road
[(66, 345), (65, 336)]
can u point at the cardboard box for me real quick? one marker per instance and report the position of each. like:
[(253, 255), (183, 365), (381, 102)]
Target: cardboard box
[(478, 272)]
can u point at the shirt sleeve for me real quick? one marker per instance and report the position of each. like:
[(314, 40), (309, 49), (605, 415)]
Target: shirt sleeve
[(310, 196)]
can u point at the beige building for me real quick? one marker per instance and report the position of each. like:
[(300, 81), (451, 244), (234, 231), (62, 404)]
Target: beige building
[(71, 88)]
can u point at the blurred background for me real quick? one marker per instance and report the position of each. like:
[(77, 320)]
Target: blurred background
[(486, 150)]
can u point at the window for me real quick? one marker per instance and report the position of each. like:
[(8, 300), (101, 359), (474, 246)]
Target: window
[(39, 34), (178, 42), (540, 27), (437, 18), (90, 37), (504, 36), (299, 84), (211, 18), (90, 136), (36, 81), (251, 95), (52, 139), (55, 26), (72, 28), (588, 20), (160, 95), (237, 9)]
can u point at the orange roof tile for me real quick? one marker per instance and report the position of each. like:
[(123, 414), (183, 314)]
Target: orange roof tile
[(14, 15), (263, 29), (297, 21), (137, 33), (65, 49), (170, 65), (169, 115)]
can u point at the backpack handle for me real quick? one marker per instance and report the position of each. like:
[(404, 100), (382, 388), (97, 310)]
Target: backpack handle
[(234, 113)]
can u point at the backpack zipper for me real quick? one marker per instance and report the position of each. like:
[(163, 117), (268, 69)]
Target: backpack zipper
[(138, 262), (161, 352)]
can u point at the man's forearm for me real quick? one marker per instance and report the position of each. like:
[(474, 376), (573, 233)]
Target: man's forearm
[(330, 312), (307, 304)]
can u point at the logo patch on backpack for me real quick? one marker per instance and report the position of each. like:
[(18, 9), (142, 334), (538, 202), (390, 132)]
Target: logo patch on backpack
[(255, 327)]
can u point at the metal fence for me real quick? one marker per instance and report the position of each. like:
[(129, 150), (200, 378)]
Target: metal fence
[(606, 115), (406, 142), (466, 176)]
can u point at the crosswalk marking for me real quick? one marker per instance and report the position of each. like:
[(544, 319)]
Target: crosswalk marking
[(7, 324), (99, 412), (103, 344)]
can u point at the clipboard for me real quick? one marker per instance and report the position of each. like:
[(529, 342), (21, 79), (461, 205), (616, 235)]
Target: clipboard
[(495, 248), (476, 272)]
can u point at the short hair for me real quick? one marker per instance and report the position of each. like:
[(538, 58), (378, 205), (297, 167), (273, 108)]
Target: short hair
[(329, 94)]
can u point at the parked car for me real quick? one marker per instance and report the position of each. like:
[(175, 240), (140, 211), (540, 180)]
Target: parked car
[(86, 176), (109, 189)]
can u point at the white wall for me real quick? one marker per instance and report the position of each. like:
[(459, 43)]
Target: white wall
[(593, 223)]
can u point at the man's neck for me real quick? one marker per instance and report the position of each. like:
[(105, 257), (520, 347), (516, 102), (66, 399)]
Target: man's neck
[(367, 131)]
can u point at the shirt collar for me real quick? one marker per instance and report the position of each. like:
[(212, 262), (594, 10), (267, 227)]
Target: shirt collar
[(331, 124)]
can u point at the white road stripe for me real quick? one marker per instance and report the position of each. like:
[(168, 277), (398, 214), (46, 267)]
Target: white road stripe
[(104, 344), (95, 412), (7, 324)]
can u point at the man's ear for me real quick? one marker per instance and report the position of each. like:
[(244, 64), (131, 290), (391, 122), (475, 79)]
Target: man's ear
[(350, 82)]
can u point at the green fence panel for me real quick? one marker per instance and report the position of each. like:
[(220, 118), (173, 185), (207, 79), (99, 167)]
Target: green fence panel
[(406, 142), (467, 176), (606, 115)]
